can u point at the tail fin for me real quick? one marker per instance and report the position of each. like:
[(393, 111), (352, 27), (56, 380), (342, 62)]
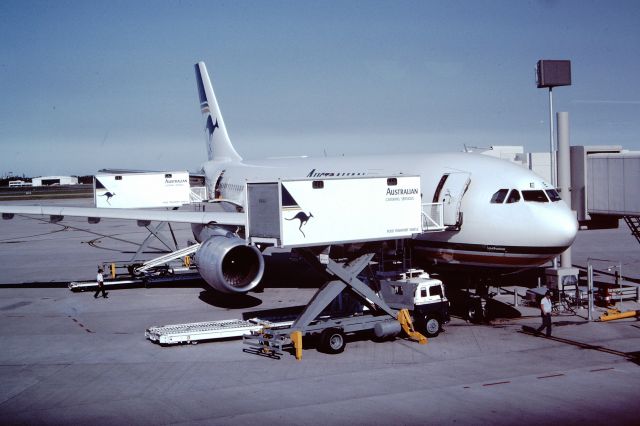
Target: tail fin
[(219, 145)]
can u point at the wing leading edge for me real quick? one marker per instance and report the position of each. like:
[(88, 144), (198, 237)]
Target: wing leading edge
[(222, 218)]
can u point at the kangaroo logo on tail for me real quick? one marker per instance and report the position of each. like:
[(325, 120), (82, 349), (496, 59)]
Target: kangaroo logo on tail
[(212, 127), (303, 218)]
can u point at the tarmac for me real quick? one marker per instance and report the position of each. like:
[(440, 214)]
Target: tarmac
[(67, 358)]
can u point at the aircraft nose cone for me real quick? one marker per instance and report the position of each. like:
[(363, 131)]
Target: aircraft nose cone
[(564, 228)]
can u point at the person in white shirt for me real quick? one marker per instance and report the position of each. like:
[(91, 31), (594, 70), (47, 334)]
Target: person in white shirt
[(100, 281), (545, 312)]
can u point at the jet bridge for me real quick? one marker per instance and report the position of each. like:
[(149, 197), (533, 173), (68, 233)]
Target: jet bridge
[(604, 181)]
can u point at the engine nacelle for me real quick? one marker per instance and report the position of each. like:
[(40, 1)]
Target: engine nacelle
[(229, 265)]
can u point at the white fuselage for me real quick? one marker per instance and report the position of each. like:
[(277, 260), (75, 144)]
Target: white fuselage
[(514, 235)]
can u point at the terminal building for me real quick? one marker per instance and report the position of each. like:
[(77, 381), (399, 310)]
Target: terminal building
[(54, 180)]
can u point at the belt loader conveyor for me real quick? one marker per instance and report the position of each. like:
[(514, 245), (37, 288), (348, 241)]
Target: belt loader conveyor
[(209, 330), (175, 275), (156, 270)]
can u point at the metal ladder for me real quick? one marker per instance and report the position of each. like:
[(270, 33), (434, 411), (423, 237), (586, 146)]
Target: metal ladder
[(633, 222), (167, 258)]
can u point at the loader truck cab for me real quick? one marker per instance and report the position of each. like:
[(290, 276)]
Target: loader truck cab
[(422, 295)]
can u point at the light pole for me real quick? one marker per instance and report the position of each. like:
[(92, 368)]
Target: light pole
[(552, 150), (550, 74)]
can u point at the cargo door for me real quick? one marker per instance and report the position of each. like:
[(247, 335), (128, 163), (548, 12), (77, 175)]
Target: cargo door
[(449, 192), (263, 210)]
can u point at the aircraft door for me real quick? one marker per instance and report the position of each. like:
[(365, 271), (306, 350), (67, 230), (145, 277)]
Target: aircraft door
[(450, 191), (216, 191)]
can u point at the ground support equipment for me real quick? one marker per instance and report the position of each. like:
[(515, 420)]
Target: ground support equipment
[(616, 314), (154, 271), (331, 329), (202, 331), (173, 275)]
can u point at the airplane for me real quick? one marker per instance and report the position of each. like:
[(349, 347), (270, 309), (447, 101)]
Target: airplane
[(499, 217)]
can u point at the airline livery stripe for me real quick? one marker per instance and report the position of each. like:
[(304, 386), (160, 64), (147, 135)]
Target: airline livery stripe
[(482, 248), (484, 260), (201, 92)]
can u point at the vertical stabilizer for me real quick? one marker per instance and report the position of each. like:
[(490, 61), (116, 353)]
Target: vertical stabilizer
[(219, 145)]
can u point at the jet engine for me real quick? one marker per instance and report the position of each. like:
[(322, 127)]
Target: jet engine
[(229, 265)]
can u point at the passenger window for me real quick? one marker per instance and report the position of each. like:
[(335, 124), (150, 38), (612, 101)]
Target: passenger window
[(423, 292), (514, 196), (535, 196), (499, 196), (553, 195)]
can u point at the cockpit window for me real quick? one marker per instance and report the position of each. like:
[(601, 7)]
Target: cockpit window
[(535, 196), (514, 196), (553, 195), (499, 196)]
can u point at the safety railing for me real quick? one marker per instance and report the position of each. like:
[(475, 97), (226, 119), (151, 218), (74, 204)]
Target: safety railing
[(432, 217), (198, 194)]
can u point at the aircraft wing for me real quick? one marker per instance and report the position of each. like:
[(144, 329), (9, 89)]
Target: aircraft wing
[(222, 218)]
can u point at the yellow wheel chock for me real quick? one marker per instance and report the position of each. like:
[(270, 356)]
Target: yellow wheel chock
[(407, 325), (296, 339), (615, 314)]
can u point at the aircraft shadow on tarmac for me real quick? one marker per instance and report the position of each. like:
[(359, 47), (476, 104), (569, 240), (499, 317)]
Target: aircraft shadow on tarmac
[(470, 307), (228, 301), (497, 309), (285, 271)]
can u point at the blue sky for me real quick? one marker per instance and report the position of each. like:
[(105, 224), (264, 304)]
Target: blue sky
[(92, 84)]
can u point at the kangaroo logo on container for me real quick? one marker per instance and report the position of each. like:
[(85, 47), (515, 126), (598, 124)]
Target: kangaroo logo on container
[(303, 218), (109, 195), (103, 191), (289, 203)]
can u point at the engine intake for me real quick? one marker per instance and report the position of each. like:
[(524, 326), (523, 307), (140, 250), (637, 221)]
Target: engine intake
[(229, 265)]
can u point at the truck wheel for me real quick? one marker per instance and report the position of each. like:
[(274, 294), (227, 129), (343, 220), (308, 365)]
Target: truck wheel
[(332, 341), (433, 327)]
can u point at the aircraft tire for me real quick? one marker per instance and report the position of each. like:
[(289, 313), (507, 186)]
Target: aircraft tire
[(475, 311)]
